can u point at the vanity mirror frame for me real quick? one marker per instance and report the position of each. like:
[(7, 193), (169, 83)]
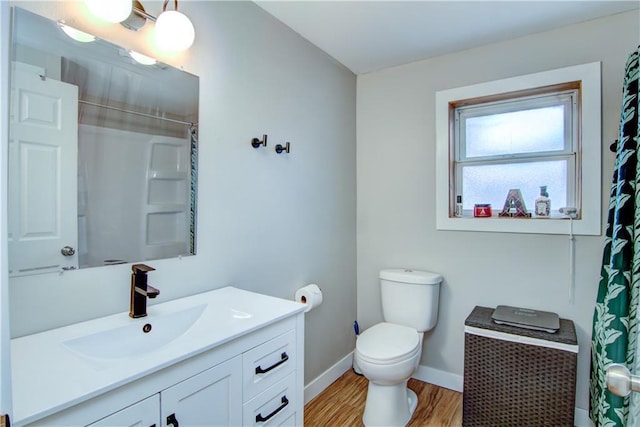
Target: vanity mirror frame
[(157, 210)]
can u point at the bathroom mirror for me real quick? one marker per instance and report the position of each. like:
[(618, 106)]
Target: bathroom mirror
[(102, 153)]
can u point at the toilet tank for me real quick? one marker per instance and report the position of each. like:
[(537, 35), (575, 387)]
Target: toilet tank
[(410, 297)]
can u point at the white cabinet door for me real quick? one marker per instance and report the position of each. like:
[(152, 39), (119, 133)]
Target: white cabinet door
[(43, 164), (211, 398), (145, 413)]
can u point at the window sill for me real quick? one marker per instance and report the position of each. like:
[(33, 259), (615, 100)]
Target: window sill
[(496, 224)]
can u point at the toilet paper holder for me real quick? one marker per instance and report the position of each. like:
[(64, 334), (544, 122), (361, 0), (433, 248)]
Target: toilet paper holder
[(311, 295)]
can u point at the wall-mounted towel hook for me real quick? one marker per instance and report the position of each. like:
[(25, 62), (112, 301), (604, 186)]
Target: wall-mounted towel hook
[(255, 142), (280, 148), (614, 146)]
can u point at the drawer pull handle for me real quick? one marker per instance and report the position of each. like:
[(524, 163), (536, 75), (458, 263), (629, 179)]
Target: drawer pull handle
[(261, 419), (172, 421), (283, 358)]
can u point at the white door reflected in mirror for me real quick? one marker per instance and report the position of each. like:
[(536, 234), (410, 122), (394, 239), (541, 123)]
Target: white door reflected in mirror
[(43, 150)]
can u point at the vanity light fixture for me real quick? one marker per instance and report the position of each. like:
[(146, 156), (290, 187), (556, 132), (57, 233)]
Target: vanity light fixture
[(77, 35), (174, 31), (140, 58), (111, 11)]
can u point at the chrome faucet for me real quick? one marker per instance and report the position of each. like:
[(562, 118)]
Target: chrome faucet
[(140, 290)]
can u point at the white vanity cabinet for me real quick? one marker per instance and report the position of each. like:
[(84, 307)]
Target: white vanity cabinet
[(252, 378)]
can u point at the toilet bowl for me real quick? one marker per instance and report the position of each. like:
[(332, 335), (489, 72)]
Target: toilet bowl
[(387, 356), (388, 353)]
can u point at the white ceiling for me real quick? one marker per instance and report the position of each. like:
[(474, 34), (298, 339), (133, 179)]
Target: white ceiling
[(370, 35)]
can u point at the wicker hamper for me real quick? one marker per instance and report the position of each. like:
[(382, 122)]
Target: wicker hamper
[(518, 377)]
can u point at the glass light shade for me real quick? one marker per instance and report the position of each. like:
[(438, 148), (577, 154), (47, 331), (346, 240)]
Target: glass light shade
[(77, 35), (110, 10), (174, 31), (142, 59)]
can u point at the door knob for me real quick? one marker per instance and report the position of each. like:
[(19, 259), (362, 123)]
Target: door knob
[(68, 251), (620, 381)]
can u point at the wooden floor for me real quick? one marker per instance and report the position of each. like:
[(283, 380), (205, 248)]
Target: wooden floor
[(342, 404)]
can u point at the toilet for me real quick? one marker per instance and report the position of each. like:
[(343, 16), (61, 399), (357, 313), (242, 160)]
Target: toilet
[(388, 353)]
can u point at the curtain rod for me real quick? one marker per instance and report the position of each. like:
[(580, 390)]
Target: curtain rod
[(149, 116)]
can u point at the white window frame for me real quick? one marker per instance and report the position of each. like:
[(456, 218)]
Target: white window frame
[(589, 152)]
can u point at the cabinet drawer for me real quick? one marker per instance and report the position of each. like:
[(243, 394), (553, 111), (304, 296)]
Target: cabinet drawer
[(265, 365), (274, 407)]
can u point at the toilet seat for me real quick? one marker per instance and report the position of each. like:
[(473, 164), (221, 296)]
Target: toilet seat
[(387, 343)]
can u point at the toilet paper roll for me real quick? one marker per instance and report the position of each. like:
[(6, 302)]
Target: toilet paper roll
[(311, 295)]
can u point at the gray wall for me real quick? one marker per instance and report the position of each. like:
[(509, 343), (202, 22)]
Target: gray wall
[(266, 223), (396, 190)]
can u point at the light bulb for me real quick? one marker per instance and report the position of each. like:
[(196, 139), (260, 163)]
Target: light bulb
[(110, 10), (142, 59), (77, 35), (174, 31)]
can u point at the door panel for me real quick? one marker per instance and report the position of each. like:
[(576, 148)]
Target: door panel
[(43, 147), (5, 343)]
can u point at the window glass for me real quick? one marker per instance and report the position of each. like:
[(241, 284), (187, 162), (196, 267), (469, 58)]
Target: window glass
[(491, 183), (517, 132)]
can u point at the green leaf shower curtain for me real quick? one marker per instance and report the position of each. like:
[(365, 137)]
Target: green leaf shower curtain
[(615, 319)]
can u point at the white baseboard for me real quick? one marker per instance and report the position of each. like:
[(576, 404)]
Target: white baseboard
[(325, 379), (440, 378), (423, 373)]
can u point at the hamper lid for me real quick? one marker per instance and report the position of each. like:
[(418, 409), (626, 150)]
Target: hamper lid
[(480, 318), (526, 318)]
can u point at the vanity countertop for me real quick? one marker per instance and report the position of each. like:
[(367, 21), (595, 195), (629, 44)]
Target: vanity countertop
[(49, 376)]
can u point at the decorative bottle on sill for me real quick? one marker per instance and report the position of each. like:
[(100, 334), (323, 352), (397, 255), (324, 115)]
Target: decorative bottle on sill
[(458, 210), (543, 203)]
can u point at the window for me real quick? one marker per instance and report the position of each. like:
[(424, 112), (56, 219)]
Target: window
[(522, 142), (521, 133)]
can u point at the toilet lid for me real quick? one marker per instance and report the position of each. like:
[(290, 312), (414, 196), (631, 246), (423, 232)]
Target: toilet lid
[(388, 343)]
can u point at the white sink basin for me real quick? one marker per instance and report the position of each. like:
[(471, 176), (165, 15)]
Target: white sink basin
[(142, 336)]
